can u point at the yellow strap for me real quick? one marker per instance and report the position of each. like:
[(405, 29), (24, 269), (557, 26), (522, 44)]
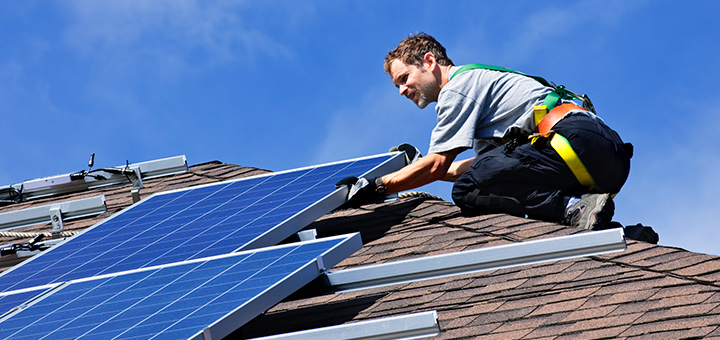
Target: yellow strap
[(563, 148), (539, 112)]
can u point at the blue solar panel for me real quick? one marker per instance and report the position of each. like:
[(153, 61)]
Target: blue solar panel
[(198, 222), (178, 301)]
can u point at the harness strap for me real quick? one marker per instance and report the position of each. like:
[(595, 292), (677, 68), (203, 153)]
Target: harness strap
[(551, 99), (566, 152), (464, 68), (562, 146)]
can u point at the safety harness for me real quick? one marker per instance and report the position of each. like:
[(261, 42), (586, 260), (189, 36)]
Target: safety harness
[(547, 115)]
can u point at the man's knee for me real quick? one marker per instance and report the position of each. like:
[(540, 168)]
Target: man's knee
[(474, 203)]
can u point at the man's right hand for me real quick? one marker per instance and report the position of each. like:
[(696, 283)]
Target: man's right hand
[(360, 191)]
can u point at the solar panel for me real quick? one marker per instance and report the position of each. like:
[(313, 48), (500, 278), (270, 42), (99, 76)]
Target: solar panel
[(208, 297), (199, 222)]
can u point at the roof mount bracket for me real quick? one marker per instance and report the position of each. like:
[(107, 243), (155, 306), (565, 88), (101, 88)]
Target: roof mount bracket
[(136, 177), (56, 220), (135, 194), (307, 235), (137, 183)]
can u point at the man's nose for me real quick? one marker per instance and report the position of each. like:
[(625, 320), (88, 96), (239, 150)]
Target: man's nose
[(403, 90)]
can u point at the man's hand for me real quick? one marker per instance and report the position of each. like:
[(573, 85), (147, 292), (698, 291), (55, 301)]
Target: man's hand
[(412, 154), (361, 191)]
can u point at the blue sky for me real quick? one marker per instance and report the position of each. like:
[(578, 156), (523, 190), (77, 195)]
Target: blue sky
[(285, 84)]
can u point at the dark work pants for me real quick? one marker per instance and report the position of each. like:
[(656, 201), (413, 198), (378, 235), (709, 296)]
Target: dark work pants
[(537, 179)]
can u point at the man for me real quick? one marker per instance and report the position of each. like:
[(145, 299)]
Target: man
[(567, 173)]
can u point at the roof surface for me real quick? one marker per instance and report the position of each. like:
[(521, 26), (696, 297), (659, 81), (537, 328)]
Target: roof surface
[(648, 291)]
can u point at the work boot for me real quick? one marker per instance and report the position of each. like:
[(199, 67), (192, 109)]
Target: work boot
[(592, 212)]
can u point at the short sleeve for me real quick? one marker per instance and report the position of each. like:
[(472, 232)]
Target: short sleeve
[(456, 119)]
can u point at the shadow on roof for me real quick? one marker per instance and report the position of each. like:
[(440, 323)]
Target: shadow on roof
[(372, 224)]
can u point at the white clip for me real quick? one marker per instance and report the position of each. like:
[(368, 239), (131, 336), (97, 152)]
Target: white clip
[(307, 235)]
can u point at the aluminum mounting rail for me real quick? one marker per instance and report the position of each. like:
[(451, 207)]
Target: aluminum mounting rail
[(54, 213), (67, 183), (515, 254), (408, 326)]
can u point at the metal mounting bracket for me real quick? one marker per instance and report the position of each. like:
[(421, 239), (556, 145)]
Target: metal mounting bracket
[(307, 235), (135, 194), (56, 220), (136, 178)]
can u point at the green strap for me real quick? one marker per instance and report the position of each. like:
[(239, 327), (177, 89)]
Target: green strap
[(551, 100), (498, 68)]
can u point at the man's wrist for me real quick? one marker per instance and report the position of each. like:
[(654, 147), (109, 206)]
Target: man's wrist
[(379, 187)]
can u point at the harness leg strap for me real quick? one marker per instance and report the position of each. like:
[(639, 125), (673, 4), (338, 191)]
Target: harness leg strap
[(566, 152)]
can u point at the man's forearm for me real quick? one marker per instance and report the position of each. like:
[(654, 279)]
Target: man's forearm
[(428, 169), (456, 169), (410, 177)]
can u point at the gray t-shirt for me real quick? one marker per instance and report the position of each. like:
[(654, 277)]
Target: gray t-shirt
[(479, 107)]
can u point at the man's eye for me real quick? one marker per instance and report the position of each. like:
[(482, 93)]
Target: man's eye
[(403, 79)]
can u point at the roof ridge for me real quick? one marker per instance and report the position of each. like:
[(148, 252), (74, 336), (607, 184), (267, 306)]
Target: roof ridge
[(202, 170)]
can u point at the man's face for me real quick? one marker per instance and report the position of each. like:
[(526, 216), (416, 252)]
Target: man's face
[(415, 83)]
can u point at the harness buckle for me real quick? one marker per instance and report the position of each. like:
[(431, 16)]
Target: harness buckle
[(535, 136)]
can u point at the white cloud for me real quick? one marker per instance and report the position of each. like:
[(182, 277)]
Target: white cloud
[(170, 33)]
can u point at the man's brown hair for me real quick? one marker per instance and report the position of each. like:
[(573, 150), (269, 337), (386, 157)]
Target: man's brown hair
[(412, 49)]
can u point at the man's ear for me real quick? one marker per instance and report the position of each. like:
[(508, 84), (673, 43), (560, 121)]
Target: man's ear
[(429, 61)]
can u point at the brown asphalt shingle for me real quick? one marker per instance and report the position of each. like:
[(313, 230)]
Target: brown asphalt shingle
[(615, 295)]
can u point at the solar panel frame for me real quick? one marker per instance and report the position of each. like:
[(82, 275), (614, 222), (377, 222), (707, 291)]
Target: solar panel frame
[(72, 263), (191, 299), (10, 302)]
